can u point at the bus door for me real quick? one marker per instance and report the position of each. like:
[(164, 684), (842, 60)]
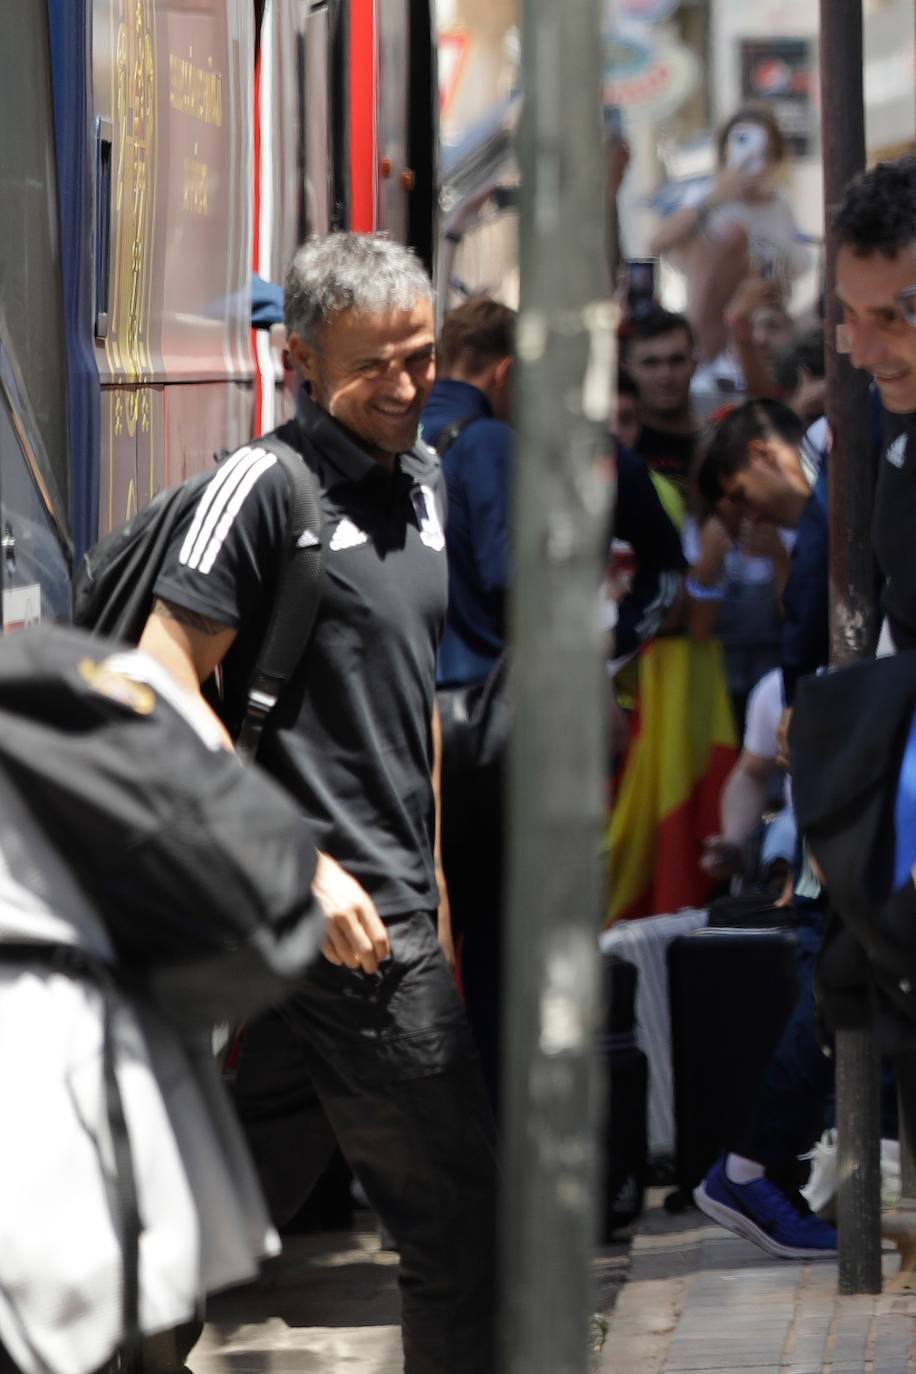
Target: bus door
[(324, 176), (407, 115), (35, 542), (172, 100), (279, 182)]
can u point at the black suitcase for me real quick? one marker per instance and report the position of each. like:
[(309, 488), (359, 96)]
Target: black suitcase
[(625, 1153), (731, 993)]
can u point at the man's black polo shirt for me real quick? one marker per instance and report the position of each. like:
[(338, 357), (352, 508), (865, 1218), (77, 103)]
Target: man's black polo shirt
[(351, 736)]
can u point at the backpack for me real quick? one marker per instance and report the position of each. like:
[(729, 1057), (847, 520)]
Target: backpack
[(199, 869), (113, 586)]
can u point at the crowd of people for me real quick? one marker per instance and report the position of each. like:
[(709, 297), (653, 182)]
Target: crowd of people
[(716, 608)]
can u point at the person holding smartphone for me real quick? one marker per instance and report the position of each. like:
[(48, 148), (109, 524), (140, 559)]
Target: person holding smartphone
[(741, 225)]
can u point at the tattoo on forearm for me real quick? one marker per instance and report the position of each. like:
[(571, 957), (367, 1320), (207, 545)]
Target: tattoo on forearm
[(194, 621)]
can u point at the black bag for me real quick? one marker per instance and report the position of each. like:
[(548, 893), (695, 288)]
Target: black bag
[(475, 722), (748, 911), (625, 1143), (731, 995), (200, 869), (113, 586)]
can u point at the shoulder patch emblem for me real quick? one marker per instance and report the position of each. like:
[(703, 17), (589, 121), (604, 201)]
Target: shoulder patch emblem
[(347, 535), (896, 452), (101, 678)]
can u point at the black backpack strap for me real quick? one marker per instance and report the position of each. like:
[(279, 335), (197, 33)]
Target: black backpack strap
[(452, 430), (298, 591)]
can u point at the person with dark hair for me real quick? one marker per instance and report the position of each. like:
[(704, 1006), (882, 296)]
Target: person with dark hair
[(741, 224), (626, 418), (800, 372), (659, 355), (753, 462), (875, 225), (467, 419)]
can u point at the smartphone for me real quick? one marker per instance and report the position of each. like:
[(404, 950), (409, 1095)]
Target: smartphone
[(747, 148), (641, 287)]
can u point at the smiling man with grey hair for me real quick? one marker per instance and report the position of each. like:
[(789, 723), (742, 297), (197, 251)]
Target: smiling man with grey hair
[(375, 1048)]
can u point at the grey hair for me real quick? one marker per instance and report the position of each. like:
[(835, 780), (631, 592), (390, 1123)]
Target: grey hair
[(345, 271)]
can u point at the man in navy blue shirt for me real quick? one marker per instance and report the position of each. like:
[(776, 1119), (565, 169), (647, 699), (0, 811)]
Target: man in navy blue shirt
[(466, 418)]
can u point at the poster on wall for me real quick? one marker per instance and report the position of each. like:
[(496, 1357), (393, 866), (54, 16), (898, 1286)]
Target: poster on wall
[(780, 73)]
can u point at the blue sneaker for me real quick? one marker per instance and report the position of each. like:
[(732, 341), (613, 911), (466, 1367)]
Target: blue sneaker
[(763, 1213)]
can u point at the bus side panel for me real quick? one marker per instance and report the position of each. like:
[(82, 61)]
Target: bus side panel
[(200, 300), (76, 144), (34, 440), (191, 416), (119, 478)]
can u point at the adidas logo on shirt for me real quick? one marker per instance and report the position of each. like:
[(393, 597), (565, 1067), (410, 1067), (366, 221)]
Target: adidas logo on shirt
[(896, 453), (347, 535)]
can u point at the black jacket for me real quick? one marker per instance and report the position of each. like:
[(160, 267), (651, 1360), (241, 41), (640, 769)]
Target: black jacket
[(848, 732)]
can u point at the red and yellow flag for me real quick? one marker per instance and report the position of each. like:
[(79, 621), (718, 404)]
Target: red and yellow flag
[(667, 802)]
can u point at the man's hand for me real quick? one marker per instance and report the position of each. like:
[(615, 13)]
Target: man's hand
[(356, 936), (444, 921), (753, 293)]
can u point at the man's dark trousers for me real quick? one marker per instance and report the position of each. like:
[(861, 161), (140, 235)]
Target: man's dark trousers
[(385, 1063)]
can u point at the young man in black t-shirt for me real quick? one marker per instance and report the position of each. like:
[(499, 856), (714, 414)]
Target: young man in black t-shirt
[(376, 1043), (659, 355)]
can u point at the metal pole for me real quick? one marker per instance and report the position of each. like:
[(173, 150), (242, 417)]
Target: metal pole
[(852, 615), (566, 357)]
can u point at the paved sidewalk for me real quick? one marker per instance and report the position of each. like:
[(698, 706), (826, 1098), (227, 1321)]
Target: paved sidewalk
[(700, 1299), (329, 1303)]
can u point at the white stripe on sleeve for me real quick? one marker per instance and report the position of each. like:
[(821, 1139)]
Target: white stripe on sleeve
[(214, 501), (231, 508)]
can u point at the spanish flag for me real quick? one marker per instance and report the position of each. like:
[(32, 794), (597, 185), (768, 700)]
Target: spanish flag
[(682, 749)]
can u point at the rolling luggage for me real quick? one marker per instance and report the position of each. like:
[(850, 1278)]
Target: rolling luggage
[(644, 943), (732, 993), (625, 1159)]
